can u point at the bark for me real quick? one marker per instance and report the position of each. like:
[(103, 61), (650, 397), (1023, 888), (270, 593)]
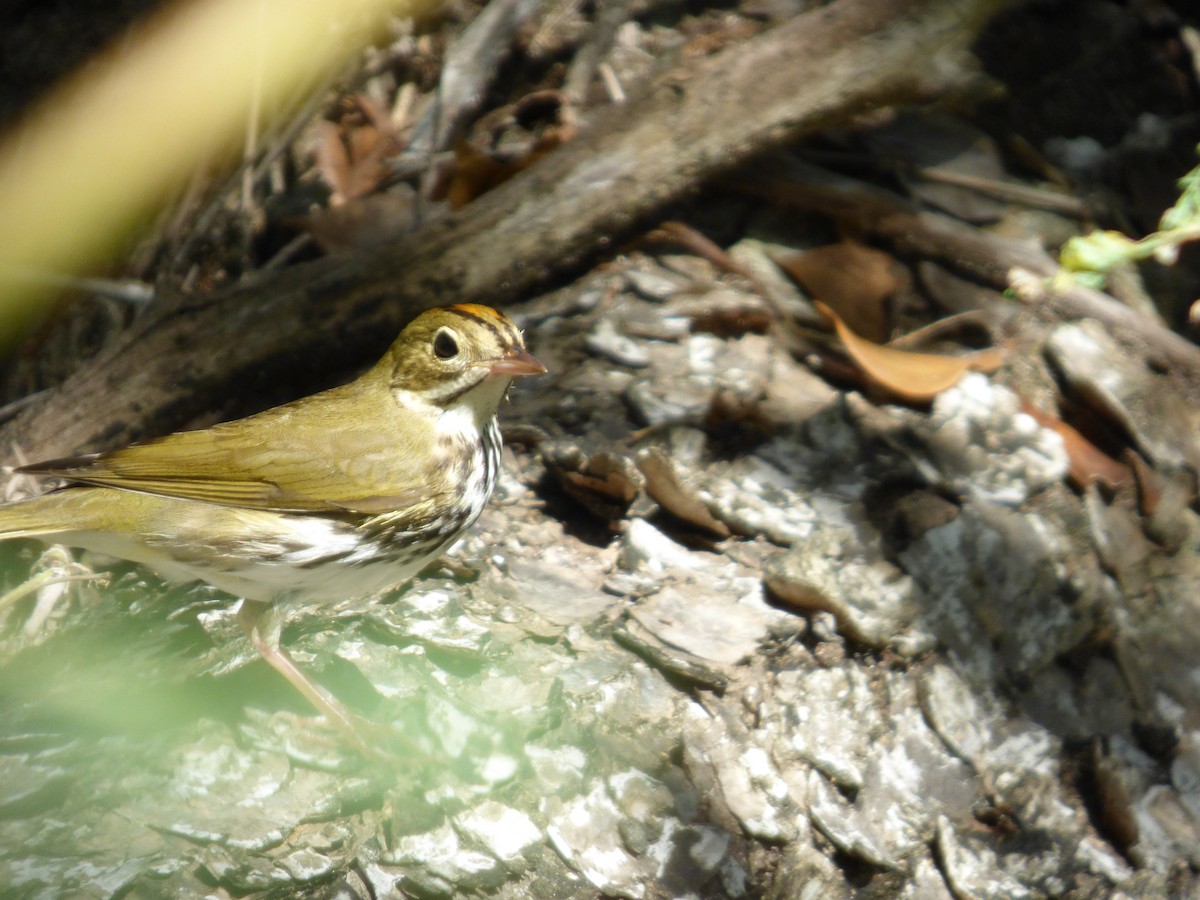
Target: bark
[(693, 122)]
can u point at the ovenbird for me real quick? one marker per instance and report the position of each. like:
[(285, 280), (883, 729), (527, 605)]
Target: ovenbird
[(337, 495)]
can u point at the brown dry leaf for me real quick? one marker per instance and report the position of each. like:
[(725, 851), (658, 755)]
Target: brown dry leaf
[(514, 137), (675, 494), (852, 278), (1086, 461), (915, 377), (474, 173), (477, 173), (1150, 485), (605, 484), (351, 153)]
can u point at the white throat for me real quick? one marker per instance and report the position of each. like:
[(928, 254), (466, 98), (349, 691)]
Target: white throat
[(471, 413)]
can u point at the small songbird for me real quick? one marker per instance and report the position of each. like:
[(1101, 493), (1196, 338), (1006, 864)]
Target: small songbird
[(341, 494)]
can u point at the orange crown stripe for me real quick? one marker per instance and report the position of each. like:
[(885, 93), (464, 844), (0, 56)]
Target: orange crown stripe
[(476, 309)]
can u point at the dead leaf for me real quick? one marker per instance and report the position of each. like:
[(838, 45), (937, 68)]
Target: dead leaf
[(351, 152), (852, 278), (914, 377), (476, 173), (605, 484), (673, 493), (537, 124), (1086, 461), (1150, 485), (473, 174)]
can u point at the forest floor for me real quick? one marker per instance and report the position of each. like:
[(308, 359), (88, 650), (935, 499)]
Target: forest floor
[(842, 551)]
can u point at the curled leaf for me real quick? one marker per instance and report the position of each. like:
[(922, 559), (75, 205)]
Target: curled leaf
[(476, 173), (914, 377), (351, 153), (672, 492), (1085, 461)]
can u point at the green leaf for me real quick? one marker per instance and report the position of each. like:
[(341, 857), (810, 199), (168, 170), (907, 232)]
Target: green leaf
[(1099, 251), (1186, 212)]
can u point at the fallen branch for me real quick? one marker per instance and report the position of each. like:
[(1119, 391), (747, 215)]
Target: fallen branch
[(692, 123)]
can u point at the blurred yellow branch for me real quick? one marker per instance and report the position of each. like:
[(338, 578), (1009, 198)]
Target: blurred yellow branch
[(103, 148)]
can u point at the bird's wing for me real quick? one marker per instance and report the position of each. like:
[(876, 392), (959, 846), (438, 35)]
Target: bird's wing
[(289, 459)]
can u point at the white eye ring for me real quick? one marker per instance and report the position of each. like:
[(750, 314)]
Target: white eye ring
[(445, 344)]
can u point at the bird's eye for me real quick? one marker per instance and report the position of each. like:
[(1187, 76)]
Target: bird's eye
[(444, 345)]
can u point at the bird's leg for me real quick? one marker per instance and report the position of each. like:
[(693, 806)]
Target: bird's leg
[(263, 626)]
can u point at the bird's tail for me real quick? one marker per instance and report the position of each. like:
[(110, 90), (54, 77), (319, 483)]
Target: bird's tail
[(56, 513)]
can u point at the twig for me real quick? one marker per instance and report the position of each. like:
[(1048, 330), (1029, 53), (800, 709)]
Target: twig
[(469, 69), (600, 38), (1035, 197), (125, 290), (201, 223)]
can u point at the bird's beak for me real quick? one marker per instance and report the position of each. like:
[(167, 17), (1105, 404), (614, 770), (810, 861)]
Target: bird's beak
[(521, 362)]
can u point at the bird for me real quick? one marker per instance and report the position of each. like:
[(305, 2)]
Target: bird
[(342, 494)]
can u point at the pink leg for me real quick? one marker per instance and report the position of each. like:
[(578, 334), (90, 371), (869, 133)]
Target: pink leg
[(263, 630)]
